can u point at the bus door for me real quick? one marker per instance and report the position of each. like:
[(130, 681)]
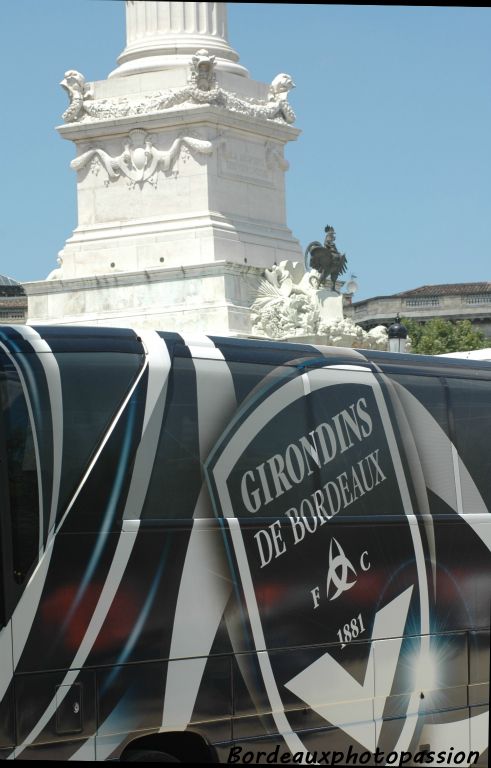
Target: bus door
[(19, 525)]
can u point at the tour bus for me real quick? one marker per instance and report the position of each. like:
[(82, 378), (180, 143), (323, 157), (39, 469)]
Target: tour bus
[(217, 549)]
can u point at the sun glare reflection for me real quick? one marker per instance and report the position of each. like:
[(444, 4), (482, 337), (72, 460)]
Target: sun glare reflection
[(424, 667)]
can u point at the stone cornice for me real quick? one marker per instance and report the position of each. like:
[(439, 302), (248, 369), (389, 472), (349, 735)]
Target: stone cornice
[(143, 277), (155, 226), (196, 115)]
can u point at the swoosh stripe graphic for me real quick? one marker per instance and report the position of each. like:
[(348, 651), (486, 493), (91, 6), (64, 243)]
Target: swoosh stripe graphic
[(447, 479), (25, 390), (330, 351), (259, 417), (205, 586), (104, 532), (480, 519), (464, 735), (25, 610), (139, 623), (118, 566), (121, 557), (450, 480), (203, 590), (52, 372), (86, 752), (7, 662), (159, 365), (107, 744), (158, 378), (27, 606), (416, 471)]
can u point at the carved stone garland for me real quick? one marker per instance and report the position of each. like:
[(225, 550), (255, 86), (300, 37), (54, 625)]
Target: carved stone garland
[(201, 89)]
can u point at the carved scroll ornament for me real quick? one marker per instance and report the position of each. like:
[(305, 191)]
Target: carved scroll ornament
[(140, 160)]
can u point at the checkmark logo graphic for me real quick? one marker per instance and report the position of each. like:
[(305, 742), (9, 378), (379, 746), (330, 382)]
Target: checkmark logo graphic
[(334, 693)]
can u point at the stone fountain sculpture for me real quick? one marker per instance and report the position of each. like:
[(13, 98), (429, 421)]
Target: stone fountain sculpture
[(293, 301)]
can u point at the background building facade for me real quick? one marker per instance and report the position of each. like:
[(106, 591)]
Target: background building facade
[(457, 301)]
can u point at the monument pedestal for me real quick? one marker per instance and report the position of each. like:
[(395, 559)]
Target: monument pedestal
[(213, 296), (180, 180)]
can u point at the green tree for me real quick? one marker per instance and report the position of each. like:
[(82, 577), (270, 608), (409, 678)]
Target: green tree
[(438, 336)]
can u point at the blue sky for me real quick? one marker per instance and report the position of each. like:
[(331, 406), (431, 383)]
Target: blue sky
[(394, 104)]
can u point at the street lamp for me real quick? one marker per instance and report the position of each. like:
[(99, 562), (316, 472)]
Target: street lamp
[(397, 333)]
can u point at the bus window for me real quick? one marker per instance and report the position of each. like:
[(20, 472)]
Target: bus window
[(471, 407), (21, 468), (430, 393), (251, 378), (94, 386), (432, 436), (176, 476)]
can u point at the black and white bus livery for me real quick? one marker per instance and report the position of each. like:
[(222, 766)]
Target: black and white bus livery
[(214, 548)]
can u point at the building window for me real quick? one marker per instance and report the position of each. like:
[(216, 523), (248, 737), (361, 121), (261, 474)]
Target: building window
[(430, 301), (478, 298), (11, 315)]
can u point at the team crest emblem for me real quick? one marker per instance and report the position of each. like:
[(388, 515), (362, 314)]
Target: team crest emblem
[(316, 510)]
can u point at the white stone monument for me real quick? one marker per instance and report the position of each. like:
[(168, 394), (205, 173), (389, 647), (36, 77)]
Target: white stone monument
[(180, 174)]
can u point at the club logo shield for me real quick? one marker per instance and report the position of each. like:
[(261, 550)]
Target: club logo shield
[(324, 546)]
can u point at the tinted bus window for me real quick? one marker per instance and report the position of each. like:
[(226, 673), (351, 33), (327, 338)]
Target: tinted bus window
[(21, 467), (94, 386), (430, 393), (250, 378), (471, 408), (176, 477), (424, 401)]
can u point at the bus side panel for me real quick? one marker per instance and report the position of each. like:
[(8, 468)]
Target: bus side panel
[(7, 733), (479, 657), (67, 710), (369, 694), (315, 464)]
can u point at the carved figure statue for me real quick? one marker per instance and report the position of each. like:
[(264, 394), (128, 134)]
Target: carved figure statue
[(326, 259), (202, 74), (77, 90), (56, 274), (278, 90), (281, 85)]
